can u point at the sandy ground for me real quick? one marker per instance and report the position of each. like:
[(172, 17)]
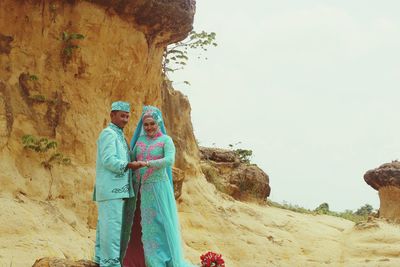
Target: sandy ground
[(246, 234)]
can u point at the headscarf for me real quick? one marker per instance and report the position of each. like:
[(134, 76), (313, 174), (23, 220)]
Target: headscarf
[(156, 114)]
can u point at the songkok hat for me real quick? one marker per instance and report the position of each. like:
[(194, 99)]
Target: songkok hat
[(120, 105)]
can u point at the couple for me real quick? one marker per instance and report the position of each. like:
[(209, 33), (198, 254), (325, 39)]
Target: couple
[(137, 222)]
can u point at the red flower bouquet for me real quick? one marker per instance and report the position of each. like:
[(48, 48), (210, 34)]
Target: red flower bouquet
[(211, 259)]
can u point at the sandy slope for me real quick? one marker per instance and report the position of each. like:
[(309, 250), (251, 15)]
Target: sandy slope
[(246, 234), (253, 235)]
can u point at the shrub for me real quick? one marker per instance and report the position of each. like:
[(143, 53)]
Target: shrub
[(244, 154), (43, 146), (360, 215), (322, 209), (364, 210), (69, 45)]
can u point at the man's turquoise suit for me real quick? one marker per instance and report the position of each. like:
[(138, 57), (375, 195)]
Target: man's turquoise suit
[(113, 185), (113, 179)]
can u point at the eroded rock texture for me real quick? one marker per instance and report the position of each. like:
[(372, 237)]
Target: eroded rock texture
[(224, 169), (163, 21), (386, 180), (62, 64), (57, 262)]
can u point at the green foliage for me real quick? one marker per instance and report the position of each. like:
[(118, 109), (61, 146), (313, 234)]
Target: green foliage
[(33, 77), (67, 37), (176, 55), (40, 145), (43, 146), (58, 158), (38, 98), (323, 208), (244, 155), (69, 44), (288, 206), (365, 210), (360, 215)]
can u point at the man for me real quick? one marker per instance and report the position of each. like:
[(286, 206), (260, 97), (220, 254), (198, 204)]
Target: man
[(113, 185)]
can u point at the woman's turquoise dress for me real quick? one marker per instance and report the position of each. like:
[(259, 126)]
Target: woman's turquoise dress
[(156, 213)]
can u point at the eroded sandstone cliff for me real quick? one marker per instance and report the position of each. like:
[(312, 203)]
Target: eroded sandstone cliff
[(62, 63), (60, 87)]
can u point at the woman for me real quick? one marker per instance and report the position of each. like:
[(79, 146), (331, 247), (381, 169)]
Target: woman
[(154, 237)]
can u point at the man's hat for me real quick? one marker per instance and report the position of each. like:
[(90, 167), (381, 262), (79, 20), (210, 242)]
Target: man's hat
[(120, 105)]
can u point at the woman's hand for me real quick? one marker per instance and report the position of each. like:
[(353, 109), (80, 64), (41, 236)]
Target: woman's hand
[(144, 163), (134, 165)]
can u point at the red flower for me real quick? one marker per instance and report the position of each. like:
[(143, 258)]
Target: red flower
[(211, 259)]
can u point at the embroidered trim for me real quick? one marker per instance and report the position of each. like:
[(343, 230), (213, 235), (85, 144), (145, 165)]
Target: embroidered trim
[(152, 151), (110, 261), (122, 170), (123, 189), (121, 139)]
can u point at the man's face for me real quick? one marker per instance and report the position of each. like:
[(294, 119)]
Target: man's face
[(119, 118)]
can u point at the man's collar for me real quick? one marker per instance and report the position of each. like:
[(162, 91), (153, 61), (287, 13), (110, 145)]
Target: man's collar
[(114, 126)]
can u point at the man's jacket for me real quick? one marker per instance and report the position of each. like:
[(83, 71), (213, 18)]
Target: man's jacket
[(113, 178)]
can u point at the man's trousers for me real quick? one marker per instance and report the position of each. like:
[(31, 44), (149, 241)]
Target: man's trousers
[(108, 233)]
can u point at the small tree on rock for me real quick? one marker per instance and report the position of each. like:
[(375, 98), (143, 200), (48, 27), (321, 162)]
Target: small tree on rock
[(176, 55)]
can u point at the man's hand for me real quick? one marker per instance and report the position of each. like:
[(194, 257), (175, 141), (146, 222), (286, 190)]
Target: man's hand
[(134, 165)]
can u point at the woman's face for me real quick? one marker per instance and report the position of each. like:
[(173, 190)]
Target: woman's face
[(150, 127)]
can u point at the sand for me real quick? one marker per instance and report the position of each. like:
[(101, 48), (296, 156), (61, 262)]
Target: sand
[(246, 234)]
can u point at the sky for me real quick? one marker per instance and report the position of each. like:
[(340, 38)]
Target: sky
[(310, 86)]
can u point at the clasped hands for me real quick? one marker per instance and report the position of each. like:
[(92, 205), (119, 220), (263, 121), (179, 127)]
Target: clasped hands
[(134, 165)]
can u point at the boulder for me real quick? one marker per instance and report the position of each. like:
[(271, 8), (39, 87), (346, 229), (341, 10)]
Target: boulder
[(57, 262), (241, 180)]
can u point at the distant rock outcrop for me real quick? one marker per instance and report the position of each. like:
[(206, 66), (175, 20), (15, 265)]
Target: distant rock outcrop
[(386, 179), (240, 180)]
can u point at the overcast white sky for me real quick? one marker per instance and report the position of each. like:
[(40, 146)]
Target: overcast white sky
[(311, 86)]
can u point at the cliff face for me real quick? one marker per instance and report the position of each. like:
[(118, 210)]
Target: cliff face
[(58, 86), (62, 64)]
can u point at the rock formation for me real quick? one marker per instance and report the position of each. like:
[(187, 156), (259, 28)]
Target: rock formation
[(240, 180), (386, 180), (62, 64), (176, 108), (162, 22), (56, 262)]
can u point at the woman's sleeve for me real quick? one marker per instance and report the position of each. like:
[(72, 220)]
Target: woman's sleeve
[(108, 153), (169, 156)]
